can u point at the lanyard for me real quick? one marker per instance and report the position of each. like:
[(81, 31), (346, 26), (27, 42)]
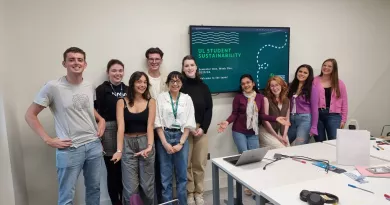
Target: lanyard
[(114, 92), (174, 108)]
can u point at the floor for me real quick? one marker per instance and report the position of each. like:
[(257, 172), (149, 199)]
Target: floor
[(208, 197)]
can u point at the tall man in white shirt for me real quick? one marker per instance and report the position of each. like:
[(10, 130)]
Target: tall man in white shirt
[(154, 58), (70, 99)]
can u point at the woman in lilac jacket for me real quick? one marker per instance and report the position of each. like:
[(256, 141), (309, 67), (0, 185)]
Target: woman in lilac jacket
[(333, 101), (303, 106)]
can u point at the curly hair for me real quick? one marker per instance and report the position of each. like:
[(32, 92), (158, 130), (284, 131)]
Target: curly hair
[(283, 93)]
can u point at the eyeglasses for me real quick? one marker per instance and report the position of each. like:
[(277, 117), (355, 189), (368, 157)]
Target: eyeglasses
[(178, 82), (154, 59)]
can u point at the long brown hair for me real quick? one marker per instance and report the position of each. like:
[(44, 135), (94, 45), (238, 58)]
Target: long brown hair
[(283, 93), (131, 90), (334, 76)]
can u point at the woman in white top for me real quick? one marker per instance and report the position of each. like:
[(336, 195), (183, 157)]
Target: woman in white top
[(175, 118)]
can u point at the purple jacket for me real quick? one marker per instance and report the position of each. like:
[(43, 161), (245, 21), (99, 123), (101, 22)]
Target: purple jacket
[(238, 116), (337, 105), (310, 107)]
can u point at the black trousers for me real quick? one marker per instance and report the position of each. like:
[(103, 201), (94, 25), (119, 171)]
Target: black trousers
[(114, 180)]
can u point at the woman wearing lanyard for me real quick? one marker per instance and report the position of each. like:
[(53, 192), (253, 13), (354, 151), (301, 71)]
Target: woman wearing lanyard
[(107, 95), (135, 116), (333, 101), (303, 106), (175, 118)]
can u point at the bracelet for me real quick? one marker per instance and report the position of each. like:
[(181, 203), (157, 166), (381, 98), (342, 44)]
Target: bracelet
[(150, 145)]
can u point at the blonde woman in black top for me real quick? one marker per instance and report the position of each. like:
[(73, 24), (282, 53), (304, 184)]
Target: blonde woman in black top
[(198, 141)]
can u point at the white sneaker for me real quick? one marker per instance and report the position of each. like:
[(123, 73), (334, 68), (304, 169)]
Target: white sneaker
[(199, 200), (190, 200)]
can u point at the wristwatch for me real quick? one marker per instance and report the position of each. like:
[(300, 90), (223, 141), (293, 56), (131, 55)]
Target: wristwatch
[(181, 143), (119, 151)]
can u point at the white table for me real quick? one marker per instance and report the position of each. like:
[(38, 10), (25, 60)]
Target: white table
[(337, 185), (280, 173), (380, 154)]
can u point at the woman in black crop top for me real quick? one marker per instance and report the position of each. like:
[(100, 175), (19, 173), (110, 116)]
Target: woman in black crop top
[(107, 94), (135, 118)]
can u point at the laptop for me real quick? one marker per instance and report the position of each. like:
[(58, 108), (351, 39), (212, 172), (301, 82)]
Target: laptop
[(247, 157)]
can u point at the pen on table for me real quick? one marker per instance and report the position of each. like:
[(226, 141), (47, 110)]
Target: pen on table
[(380, 147), (375, 147), (353, 186), (304, 162)]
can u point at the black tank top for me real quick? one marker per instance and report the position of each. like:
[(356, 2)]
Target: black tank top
[(136, 122)]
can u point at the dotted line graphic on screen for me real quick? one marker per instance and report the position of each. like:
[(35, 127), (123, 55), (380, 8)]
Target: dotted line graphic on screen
[(265, 65), (215, 37)]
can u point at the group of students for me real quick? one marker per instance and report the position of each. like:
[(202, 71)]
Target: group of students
[(290, 114), (153, 127), (158, 125)]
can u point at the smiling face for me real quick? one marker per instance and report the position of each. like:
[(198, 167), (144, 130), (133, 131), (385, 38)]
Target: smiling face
[(175, 85), (75, 63), (115, 73), (275, 88), (141, 85), (247, 85), (189, 68), (327, 68), (302, 74), (154, 61)]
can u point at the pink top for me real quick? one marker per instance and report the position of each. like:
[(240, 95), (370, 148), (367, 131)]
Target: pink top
[(337, 105)]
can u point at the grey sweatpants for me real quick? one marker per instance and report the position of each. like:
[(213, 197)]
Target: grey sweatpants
[(137, 171)]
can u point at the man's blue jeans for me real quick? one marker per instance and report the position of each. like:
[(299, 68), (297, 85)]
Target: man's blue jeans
[(70, 161), (173, 162)]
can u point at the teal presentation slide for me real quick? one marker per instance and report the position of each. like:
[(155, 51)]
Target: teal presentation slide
[(223, 54)]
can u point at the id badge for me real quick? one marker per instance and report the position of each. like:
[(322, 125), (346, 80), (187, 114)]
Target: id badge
[(176, 125)]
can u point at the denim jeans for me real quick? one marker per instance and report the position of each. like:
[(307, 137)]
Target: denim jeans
[(329, 123), (70, 161), (177, 162), (245, 142), (299, 131)]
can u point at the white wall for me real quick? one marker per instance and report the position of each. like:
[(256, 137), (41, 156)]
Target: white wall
[(353, 32), (6, 186), (10, 78)]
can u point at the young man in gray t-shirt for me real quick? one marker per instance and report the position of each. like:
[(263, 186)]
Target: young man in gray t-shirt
[(70, 99)]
